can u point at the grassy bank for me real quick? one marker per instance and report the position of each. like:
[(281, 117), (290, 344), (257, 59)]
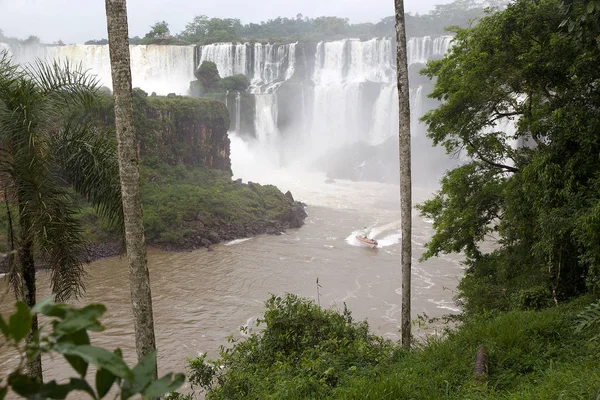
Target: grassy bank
[(532, 355)]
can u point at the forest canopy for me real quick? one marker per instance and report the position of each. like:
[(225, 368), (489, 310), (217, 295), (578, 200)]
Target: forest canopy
[(521, 105)]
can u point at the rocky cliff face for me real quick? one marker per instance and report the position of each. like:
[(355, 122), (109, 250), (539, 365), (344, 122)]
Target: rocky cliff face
[(178, 130), (186, 130)]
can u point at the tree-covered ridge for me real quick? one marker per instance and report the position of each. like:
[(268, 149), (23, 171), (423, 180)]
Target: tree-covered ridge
[(520, 99), (206, 30)]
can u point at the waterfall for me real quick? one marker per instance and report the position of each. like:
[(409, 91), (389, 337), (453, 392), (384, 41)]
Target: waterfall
[(238, 109), (343, 93), (385, 115), (371, 61), (265, 121), (154, 68), (230, 58), (422, 49), (264, 64)]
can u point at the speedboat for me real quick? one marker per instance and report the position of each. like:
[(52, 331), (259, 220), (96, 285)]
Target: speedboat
[(372, 243)]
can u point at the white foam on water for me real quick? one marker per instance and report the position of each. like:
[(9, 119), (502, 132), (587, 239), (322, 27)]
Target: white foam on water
[(445, 305), (236, 241)]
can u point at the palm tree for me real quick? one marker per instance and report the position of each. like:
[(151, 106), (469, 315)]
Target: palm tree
[(139, 279), (405, 174), (49, 149)]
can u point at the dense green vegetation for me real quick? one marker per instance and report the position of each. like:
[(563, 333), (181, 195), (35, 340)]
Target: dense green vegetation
[(306, 352), (541, 199), (180, 199)]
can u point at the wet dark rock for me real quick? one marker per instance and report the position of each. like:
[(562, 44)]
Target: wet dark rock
[(289, 196)]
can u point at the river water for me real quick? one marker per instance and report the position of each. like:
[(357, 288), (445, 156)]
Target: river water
[(201, 297)]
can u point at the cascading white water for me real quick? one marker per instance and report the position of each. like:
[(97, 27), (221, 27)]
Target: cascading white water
[(264, 64), (154, 68), (230, 58), (422, 49), (238, 112), (265, 121), (385, 114), (371, 61)]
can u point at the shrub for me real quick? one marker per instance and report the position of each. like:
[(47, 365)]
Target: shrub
[(303, 351)]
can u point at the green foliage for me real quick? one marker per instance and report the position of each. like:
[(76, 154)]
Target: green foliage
[(67, 336), (180, 199), (307, 352), (532, 355), (538, 200), (208, 74), (158, 32), (50, 142), (302, 352), (589, 318), (238, 83)]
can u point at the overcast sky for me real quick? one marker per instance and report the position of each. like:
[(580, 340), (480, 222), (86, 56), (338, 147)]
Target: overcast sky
[(75, 21)]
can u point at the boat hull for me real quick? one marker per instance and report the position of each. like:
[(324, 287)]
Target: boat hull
[(371, 243)]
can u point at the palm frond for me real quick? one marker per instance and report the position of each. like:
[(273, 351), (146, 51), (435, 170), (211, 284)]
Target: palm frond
[(88, 161), (56, 234), (68, 86), (589, 317)]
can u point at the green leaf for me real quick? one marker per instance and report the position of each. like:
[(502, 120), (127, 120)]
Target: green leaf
[(53, 390), (23, 385), (44, 306), (3, 392), (20, 322), (4, 328), (78, 364), (166, 384), (104, 381), (79, 337), (80, 384), (99, 357), (144, 372), (590, 7), (48, 308), (84, 318)]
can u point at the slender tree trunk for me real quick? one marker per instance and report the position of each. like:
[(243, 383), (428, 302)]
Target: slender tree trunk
[(139, 278), (27, 290), (405, 173)]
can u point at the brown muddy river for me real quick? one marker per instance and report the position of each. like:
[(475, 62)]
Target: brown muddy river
[(200, 297)]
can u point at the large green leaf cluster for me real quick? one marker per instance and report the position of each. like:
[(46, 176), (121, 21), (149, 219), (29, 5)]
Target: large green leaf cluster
[(303, 351), (520, 102), (66, 335), (51, 149)]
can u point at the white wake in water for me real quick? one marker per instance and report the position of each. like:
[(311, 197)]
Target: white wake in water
[(383, 234)]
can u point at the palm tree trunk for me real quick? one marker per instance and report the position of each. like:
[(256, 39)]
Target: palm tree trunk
[(139, 279), (27, 290), (405, 173)]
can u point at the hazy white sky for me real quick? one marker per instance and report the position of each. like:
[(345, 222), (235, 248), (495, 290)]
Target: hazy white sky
[(75, 21)]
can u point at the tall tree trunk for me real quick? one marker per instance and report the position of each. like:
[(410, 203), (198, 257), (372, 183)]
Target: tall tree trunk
[(27, 290), (405, 173), (139, 278)]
